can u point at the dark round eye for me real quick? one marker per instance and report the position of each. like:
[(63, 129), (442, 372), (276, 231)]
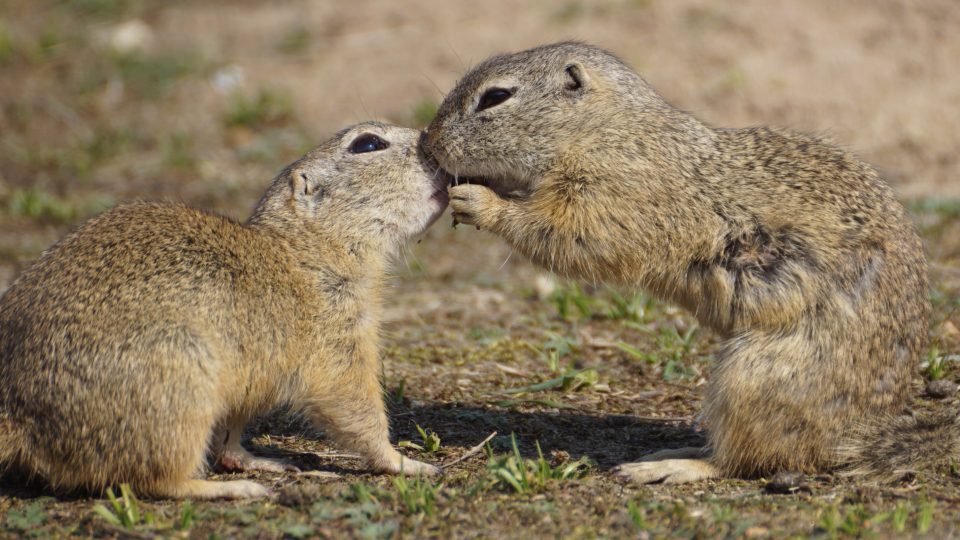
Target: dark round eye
[(368, 142), (493, 97)]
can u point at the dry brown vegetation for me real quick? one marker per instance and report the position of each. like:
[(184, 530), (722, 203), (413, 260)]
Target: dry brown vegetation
[(203, 101)]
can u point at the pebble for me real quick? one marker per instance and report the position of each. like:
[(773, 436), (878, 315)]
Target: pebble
[(941, 388), (787, 482)]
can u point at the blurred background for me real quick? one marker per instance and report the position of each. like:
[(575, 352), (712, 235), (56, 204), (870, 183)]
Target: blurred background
[(203, 101)]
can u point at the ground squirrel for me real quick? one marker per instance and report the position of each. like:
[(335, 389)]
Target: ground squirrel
[(793, 250), (153, 332)]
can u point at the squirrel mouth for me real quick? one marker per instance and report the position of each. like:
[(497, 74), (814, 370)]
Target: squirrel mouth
[(479, 180), (441, 180)]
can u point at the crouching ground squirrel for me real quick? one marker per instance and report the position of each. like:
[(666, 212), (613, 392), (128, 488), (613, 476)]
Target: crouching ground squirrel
[(793, 250), (153, 332)]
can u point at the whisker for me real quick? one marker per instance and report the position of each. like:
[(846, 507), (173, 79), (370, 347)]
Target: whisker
[(510, 254)]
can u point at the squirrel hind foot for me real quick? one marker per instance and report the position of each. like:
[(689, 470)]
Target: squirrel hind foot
[(232, 461), (210, 490), (667, 471)]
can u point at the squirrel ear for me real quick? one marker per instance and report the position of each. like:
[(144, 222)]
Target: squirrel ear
[(305, 186), (576, 79)]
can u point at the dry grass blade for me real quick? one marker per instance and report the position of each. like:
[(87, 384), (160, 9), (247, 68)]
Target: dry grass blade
[(320, 474), (471, 452)]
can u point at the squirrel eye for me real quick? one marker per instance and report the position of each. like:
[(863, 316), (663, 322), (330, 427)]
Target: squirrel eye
[(493, 97), (368, 143)]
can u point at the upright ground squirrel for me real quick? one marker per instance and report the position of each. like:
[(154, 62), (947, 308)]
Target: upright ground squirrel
[(793, 250)]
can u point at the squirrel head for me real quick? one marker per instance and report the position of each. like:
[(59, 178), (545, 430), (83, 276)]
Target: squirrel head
[(369, 182), (514, 116)]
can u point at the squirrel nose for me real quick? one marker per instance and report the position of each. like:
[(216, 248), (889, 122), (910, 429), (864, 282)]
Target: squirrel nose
[(429, 143), (424, 150)]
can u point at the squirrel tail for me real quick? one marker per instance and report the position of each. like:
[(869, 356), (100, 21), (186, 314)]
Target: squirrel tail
[(889, 449)]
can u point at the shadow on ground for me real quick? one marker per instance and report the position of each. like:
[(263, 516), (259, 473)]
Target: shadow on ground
[(608, 439)]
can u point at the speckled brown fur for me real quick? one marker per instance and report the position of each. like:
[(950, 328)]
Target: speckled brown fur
[(154, 331), (792, 249)]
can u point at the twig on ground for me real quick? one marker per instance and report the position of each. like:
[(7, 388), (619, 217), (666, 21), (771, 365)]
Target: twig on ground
[(335, 455), (319, 474), (472, 451)]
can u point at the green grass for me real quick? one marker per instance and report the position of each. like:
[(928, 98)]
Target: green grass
[(124, 511), (556, 349), (417, 495), (524, 475), (857, 521), (79, 157), (570, 381), (397, 394), (8, 47), (178, 151), (941, 206), (571, 297), (569, 12), (188, 514), (263, 109), (45, 207), (572, 302), (50, 42), (935, 366), (423, 113), (152, 75), (430, 441), (487, 335), (557, 353), (26, 519), (105, 9), (670, 355), (638, 516)]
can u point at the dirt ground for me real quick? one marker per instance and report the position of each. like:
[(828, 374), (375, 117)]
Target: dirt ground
[(203, 101)]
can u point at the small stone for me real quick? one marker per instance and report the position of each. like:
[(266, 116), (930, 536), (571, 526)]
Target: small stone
[(756, 532), (131, 36), (787, 482), (544, 285), (941, 389)]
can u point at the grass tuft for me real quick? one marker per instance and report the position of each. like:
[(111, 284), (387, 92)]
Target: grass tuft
[(673, 349), (431, 441), (417, 496), (573, 302), (124, 511), (935, 366), (525, 476)]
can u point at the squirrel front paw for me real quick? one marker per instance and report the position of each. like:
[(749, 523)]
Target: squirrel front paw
[(474, 204)]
